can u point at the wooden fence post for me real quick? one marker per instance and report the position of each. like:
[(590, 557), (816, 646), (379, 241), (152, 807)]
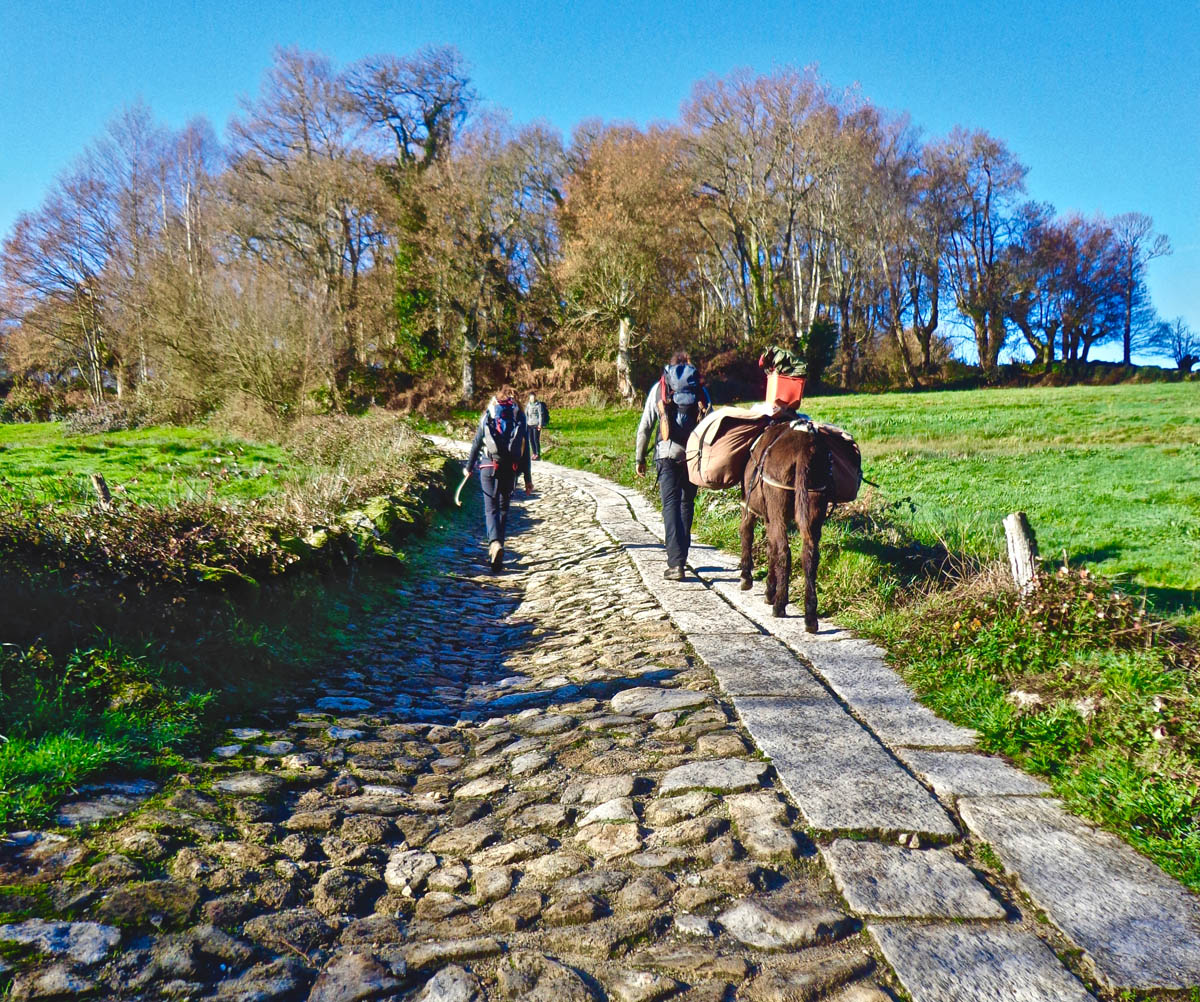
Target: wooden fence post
[(102, 492), (1022, 552)]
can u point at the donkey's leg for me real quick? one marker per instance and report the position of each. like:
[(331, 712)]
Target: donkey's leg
[(780, 555), (769, 594), (749, 520), (786, 574), (806, 508), (769, 521), (817, 509), (811, 558), (781, 561)]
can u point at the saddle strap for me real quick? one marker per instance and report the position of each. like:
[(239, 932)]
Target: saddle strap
[(775, 483)]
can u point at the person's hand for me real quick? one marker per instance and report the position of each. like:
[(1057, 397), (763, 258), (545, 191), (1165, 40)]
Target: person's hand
[(641, 468)]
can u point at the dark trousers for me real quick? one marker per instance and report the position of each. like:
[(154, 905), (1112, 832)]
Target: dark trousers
[(535, 440), (679, 504), (497, 486)]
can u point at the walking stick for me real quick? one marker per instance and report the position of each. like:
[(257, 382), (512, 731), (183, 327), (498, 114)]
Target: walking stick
[(458, 493)]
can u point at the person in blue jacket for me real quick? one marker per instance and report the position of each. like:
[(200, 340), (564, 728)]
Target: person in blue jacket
[(500, 451)]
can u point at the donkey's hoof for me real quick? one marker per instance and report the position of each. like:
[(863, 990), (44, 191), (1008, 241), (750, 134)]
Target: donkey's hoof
[(779, 612), (810, 626), (747, 585)]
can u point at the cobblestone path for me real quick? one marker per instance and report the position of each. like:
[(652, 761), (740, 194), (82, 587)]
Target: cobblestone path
[(528, 788)]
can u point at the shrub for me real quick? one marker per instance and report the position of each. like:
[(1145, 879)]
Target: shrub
[(106, 417), (139, 548), (27, 402)]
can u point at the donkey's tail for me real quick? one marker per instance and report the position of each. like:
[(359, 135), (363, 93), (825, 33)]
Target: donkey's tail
[(804, 456)]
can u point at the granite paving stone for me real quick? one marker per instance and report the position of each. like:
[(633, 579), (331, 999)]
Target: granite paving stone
[(84, 942), (755, 665), (1138, 928), (723, 775), (878, 697), (890, 881), (975, 963), (715, 616), (841, 778), (969, 774), (645, 701)]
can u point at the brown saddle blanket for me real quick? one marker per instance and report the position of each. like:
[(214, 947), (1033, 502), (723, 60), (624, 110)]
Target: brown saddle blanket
[(719, 448)]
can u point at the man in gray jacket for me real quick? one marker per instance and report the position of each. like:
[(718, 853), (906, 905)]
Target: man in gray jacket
[(674, 406)]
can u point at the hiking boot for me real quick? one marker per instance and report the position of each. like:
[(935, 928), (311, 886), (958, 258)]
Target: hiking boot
[(674, 574), (496, 555)]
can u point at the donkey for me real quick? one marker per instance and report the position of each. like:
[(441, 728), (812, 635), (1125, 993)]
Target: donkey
[(785, 480)]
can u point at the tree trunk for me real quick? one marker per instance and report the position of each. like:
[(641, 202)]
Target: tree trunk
[(624, 360), (849, 346), (979, 327), (470, 347), (996, 336), (1022, 552), (905, 362), (1127, 333)]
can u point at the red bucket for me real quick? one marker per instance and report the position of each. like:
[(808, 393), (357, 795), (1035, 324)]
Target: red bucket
[(784, 391)]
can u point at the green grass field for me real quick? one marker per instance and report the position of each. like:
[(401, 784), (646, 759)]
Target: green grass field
[(150, 465), (1111, 476)]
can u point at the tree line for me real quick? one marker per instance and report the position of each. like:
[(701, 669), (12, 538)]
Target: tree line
[(364, 226)]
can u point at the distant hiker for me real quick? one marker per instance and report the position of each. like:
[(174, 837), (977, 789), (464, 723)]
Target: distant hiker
[(674, 406), (501, 437), (537, 415)]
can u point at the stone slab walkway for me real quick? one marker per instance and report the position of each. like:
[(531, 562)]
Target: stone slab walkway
[(860, 756)]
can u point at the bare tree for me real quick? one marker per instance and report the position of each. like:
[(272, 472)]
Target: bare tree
[(129, 165), (888, 200), (305, 200), (1177, 341), (1139, 245), (1092, 276), (983, 179), (418, 102), (755, 148), (53, 266), (1038, 260)]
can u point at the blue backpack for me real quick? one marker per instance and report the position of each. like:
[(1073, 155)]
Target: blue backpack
[(682, 400), (504, 432)]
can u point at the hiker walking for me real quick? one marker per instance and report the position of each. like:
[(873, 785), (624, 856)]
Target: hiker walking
[(673, 408), (501, 437), (537, 416)]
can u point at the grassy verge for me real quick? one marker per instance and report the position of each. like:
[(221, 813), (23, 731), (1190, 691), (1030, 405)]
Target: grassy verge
[(1096, 691), (118, 656)]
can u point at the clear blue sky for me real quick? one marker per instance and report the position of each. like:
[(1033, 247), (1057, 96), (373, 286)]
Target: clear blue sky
[(1100, 99)]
